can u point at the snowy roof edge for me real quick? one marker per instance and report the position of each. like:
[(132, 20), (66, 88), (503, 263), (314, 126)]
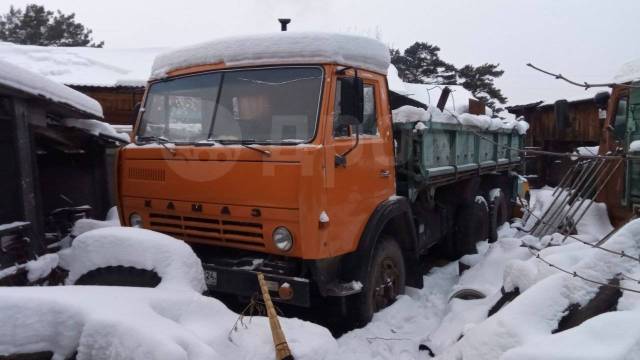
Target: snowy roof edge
[(628, 72), (21, 79), (278, 48)]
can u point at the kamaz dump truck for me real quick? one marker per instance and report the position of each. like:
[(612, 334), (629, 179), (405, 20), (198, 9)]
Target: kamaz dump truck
[(278, 154)]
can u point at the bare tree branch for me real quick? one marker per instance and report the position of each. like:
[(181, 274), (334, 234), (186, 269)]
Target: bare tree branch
[(584, 85)]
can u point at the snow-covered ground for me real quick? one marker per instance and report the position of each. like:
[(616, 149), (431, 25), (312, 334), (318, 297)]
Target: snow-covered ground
[(522, 329), (115, 322), (172, 321)]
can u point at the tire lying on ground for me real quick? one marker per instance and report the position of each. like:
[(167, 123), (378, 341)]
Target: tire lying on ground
[(605, 300), (120, 276), (122, 256)]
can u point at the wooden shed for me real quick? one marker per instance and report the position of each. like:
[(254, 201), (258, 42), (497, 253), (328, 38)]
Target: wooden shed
[(581, 126), (51, 171), (118, 102)]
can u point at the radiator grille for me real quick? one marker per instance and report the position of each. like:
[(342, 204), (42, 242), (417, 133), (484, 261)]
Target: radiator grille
[(146, 174), (209, 229)]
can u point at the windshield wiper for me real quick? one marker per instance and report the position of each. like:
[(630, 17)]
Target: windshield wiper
[(262, 151), (158, 139), (247, 143)]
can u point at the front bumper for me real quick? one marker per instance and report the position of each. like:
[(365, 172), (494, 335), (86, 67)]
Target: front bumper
[(243, 282)]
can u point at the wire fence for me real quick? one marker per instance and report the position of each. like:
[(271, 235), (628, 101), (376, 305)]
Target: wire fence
[(596, 245)]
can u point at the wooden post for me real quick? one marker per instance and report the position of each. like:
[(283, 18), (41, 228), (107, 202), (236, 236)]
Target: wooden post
[(24, 114), (279, 341)]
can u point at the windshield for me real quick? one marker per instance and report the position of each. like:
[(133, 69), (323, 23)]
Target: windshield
[(271, 105)]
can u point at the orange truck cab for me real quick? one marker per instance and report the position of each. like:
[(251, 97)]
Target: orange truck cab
[(276, 154)]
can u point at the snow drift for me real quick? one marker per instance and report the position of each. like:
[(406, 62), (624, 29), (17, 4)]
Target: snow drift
[(174, 261), (136, 323)]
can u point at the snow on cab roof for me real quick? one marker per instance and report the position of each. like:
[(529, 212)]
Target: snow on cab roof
[(18, 78), (628, 72), (278, 48), (84, 66)]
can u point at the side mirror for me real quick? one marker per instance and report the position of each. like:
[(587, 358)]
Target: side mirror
[(561, 109), (351, 101), (602, 100)]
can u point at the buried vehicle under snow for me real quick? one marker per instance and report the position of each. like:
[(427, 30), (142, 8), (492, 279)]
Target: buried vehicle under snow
[(278, 154)]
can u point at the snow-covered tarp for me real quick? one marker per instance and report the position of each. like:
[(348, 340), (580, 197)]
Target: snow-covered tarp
[(18, 78), (455, 110), (84, 66), (412, 114), (279, 48)]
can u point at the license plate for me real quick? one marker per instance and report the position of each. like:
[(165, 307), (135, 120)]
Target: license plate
[(272, 285), (211, 277)]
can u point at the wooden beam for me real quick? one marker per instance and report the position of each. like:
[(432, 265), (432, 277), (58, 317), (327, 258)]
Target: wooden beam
[(27, 169)]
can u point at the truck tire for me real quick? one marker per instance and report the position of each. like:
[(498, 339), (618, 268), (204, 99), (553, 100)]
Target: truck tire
[(471, 226), (498, 214), (120, 276), (384, 282)]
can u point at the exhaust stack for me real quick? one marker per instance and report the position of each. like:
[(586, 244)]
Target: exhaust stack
[(284, 23)]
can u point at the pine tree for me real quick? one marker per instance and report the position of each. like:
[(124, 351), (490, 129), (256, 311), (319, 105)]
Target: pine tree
[(421, 63), (37, 26), (480, 82)]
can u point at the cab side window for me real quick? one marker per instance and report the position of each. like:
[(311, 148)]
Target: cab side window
[(369, 124)]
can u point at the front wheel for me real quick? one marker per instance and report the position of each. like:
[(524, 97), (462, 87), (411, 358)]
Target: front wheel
[(385, 281)]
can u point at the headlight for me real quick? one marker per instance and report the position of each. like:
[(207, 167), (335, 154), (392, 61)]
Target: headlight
[(282, 238), (135, 220)]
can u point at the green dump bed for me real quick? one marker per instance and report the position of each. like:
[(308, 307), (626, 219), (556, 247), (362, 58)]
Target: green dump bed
[(445, 153)]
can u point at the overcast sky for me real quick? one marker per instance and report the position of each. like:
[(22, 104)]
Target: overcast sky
[(584, 40)]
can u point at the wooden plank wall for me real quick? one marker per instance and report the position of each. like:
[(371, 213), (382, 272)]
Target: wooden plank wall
[(584, 127), (117, 102)]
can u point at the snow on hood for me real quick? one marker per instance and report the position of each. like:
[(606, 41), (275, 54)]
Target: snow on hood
[(628, 72), (278, 48), (16, 77)]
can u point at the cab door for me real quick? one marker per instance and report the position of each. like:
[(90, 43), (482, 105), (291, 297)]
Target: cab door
[(367, 178)]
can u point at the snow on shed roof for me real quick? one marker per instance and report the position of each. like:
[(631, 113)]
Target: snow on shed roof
[(629, 71), (16, 77), (84, 66), (278, 48)]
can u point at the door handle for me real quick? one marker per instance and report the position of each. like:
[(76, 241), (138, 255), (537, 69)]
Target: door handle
[(384, 173)]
